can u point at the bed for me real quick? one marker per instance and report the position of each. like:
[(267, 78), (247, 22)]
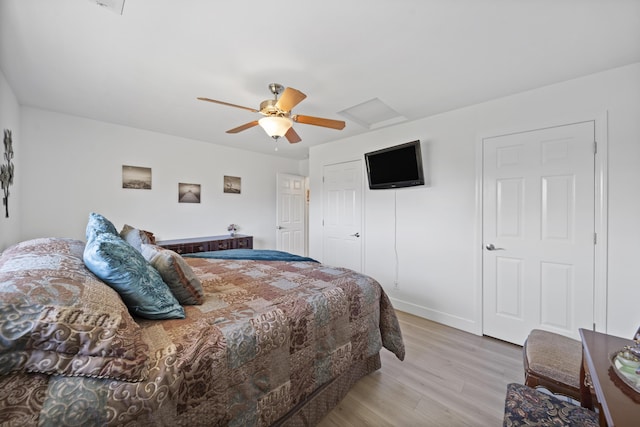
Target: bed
[(266, 343)]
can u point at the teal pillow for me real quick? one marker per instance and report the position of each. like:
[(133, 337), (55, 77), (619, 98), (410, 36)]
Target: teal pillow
[(123, 268), (98, 225)]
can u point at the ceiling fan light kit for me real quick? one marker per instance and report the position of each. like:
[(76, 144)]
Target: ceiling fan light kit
[(278, 120), (275, 126)]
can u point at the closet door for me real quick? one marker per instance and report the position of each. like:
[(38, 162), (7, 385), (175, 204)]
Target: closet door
[(342, 215), (538, 232)]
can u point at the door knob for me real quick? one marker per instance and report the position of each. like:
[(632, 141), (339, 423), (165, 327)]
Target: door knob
[(279, 227), (355, 235), (490, 247)]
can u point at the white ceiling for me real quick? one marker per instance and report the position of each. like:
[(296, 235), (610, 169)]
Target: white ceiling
[(146, 67)]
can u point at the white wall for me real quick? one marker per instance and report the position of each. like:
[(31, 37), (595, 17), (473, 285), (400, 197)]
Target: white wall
[(68, 166), (437, 223), (73, 166), (10, 119)]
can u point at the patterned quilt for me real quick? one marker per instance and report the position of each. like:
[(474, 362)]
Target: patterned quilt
[(267, 336)]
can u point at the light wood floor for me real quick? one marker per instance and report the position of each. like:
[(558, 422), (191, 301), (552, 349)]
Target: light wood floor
[(448, 378)]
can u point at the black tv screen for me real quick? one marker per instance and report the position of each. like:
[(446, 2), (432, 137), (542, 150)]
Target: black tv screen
[(395, 167)]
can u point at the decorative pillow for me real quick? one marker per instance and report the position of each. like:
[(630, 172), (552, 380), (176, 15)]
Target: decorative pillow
[(97, 225), (138, 283), (150, 237), (134, 236), (57, 318), (176, 273)]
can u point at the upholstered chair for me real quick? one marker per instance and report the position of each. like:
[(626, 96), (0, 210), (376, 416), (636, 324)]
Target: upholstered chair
[(553, 361)]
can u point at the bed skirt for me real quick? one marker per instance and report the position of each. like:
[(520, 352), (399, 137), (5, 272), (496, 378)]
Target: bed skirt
[(326, 398)]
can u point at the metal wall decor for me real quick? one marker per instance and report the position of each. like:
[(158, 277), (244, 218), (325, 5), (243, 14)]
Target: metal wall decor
[(6, 171)]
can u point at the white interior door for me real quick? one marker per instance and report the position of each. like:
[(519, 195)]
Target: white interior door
[(538, 232), (291, 215), (342, 215)]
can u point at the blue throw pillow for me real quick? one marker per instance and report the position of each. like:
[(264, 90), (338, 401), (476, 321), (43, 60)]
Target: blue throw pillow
[(123, 268), (97, 225)]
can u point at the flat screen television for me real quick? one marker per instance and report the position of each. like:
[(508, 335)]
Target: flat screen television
[(395, 167)]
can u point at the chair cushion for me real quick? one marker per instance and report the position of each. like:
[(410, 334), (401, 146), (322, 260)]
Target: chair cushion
[(554, 356), (525, 406)]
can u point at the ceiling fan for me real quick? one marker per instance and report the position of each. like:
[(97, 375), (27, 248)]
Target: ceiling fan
[(278, 120)]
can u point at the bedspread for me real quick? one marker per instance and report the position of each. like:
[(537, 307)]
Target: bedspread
[(268, 335), (253, 254)]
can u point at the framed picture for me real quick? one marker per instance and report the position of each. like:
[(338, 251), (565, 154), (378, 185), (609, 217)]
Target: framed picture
[(136, 177), (188, 193), (232, 184)]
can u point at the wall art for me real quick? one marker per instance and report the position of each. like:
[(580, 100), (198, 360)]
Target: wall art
[(6, 170), (232, 184), (136, 177), (188, 193)]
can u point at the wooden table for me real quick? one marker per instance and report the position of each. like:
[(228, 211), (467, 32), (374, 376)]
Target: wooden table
[(620, 404)]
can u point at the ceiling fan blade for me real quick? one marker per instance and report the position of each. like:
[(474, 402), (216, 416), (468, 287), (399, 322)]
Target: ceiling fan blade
[(253, 110), (292, 136), (289, 99), (319, 121), (243, 127)]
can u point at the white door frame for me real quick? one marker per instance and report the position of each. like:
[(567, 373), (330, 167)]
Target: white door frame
[(600, 221)]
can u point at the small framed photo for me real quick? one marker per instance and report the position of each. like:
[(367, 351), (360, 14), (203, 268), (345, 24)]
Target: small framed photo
[(188, 193), (232, 184), (136, 177)]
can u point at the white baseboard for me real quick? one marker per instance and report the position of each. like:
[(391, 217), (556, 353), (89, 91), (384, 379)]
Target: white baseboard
[(457, 322)]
